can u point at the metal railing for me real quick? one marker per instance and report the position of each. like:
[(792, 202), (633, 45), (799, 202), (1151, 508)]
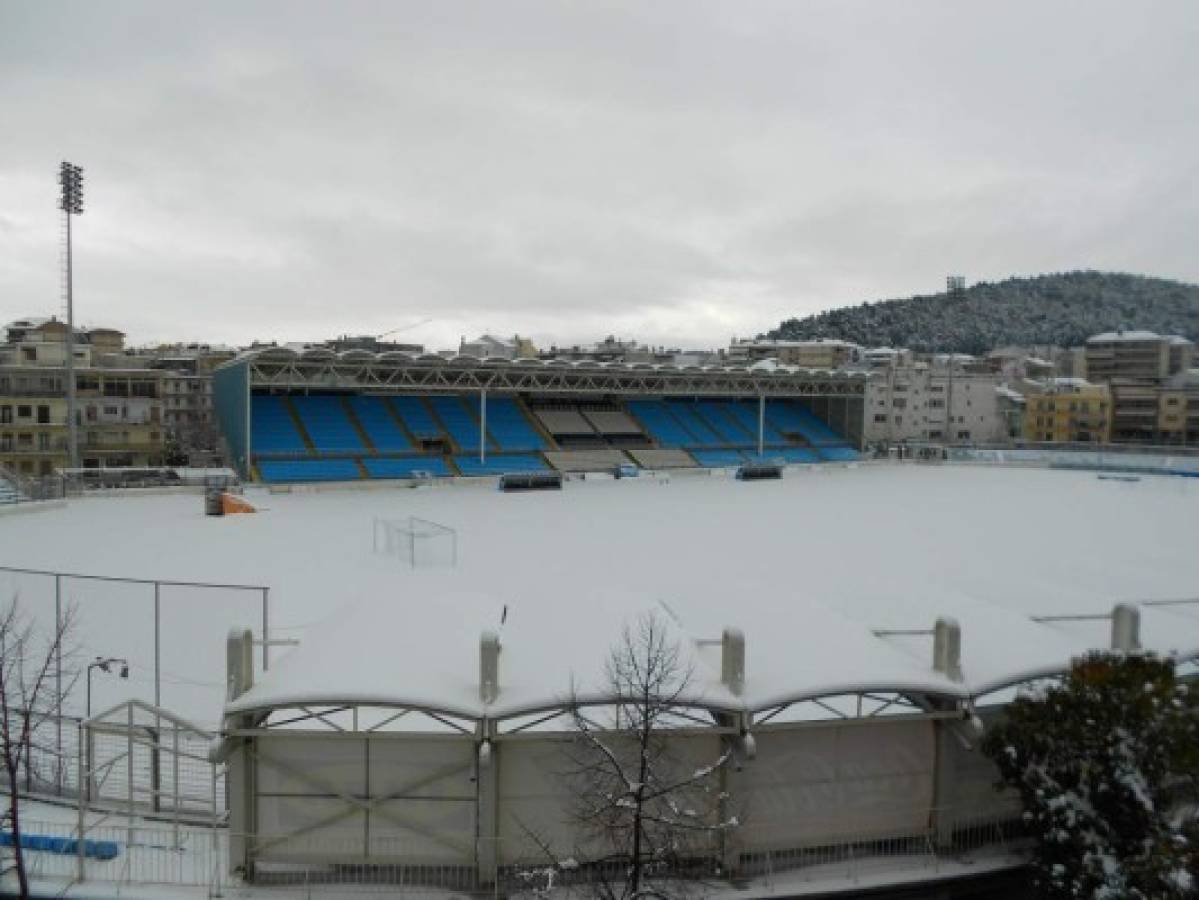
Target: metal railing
[(137, 851)]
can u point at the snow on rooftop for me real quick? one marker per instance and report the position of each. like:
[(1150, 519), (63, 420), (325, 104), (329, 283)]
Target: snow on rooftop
[(807, 568), (1111, 336)]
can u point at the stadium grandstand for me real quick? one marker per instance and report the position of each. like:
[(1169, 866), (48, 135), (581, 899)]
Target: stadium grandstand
[(314, 415)]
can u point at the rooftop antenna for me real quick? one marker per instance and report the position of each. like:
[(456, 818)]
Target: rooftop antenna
[(955, 287)]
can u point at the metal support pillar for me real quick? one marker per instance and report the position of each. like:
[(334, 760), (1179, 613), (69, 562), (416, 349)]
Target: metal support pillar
[(83, 775), (72, 427), (266, 629), (945, 750), (157, 645), (59, 766), (483, 425), (487, 785), (761, 424)]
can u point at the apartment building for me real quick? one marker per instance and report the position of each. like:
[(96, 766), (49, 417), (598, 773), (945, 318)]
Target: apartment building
[(1149, 378), (922, 402), (1138, 355), (822, 353), (119, 409), (1071, 410)]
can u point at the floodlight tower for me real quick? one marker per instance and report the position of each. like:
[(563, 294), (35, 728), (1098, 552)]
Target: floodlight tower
[(70, 178)]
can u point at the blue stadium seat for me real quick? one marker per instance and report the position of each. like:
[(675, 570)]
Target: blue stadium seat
[(789, 417), (380, 425), (838, 454), (295, 470), (499, 465), (272, 429), (327, 424), (730, 431), (710, 458), (406, 467), (746, 415), (660, 424), (703, 435), (462, 426), (417, 419), (509, 428)]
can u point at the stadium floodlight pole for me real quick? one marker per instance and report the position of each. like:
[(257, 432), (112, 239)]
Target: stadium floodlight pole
[(70, 179)]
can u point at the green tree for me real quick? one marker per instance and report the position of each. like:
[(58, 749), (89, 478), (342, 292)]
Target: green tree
[(1105, 765)]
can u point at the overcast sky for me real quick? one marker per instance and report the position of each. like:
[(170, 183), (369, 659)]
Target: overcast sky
[(677, 172)]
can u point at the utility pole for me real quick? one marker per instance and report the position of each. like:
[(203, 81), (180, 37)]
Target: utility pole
[(70, 178)]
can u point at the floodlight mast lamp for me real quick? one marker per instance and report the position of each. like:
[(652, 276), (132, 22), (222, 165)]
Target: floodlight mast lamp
[(70, 179)]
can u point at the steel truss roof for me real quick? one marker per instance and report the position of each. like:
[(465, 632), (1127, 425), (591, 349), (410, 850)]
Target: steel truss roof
[(452, 376)]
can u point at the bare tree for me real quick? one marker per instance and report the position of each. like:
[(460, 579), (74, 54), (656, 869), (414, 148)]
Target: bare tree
[(28, 699), (648, 806)]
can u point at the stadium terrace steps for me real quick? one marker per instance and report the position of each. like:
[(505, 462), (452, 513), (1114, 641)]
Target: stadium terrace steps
[(499, 465), (509, 429), (535, 422), (728, 432), (337, 437), (416, 418), (380, 425), (564, 421), (661, 458), (611, 421), (458, 422), (716, 458), (702, 434), (275, 428), (789, 417), (746, 415), (407, 467), (655, 419), (282, 471), (601, 459), (356, 424), (324, 418)]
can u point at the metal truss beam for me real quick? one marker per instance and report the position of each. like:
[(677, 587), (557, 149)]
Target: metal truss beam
[(301, 375)]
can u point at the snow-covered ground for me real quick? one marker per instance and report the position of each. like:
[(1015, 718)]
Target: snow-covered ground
[(806, 567)]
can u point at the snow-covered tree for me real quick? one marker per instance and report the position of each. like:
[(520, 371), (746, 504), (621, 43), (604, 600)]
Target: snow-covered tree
[(28, 699), (652, 815), (1106, 764)]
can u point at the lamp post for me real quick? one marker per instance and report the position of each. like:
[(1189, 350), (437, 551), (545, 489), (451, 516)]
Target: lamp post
[(70, 178), (104, 664)]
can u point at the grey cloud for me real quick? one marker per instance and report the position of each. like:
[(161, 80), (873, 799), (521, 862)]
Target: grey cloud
[(684, 171)]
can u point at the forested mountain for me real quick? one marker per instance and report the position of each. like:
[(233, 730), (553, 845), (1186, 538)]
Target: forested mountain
[(1063, 309)]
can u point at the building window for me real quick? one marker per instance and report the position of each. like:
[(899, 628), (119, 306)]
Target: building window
[(880, 417), (24, 412), (6, 414), (43, 415)]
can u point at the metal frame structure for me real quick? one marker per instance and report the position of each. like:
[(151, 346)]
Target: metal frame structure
[(283, 369), (893, 756)]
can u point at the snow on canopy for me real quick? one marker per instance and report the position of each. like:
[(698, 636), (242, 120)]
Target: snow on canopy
[(808, 568)]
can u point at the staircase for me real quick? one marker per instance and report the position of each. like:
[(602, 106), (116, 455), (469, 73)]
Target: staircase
[(299, 423), (10, 489)]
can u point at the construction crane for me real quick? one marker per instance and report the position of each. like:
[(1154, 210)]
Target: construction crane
[(380, 337)]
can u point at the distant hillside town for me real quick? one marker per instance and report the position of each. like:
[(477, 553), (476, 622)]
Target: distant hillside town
[(153, 406)]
